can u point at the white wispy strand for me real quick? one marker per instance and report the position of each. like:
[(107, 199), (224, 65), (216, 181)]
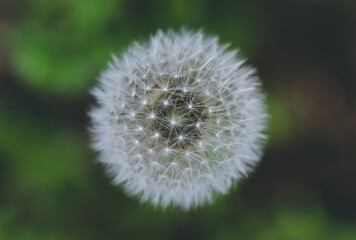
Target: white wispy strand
[(178, 119)]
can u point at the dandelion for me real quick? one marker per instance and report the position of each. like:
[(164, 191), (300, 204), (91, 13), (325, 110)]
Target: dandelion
[(179, 119)]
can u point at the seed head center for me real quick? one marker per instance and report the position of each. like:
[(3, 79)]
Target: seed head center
[(176, 122)]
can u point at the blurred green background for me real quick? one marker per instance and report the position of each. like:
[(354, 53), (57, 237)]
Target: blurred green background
[(51, 53)]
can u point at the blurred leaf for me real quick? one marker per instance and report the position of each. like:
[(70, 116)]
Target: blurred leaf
[(42, 160), (311, 224), (282, 121), (60, 47)]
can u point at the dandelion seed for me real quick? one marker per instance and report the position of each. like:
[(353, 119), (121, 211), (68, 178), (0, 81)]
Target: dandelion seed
[(191, 122), (152, 116)]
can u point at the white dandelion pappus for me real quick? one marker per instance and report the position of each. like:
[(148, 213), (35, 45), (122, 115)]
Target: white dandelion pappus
[(178, 119)]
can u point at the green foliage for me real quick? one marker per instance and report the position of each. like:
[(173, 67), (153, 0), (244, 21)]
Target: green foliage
[(42, 159), (283, 121), (59, 46)]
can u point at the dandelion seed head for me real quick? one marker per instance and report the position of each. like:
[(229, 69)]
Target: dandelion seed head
[(178, 119)]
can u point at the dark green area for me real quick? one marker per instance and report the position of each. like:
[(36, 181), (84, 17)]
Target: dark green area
[(51, 53)]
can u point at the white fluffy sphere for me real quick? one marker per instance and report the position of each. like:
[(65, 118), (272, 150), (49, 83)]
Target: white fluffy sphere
[(178, 119)]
